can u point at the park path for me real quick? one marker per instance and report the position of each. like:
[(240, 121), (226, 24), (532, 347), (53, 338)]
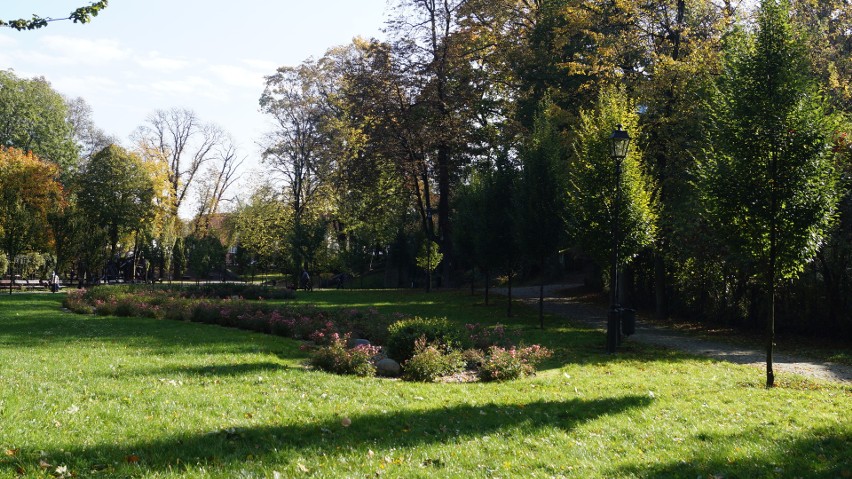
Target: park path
[(595, 316)]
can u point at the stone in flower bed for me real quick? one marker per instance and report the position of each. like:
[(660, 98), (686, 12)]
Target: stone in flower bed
[(387, 367)]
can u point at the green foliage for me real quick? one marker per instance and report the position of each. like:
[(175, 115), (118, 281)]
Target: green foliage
[(33, 118), (429, 256), (591, 190), (30, 265), (4, 264), (205, 256), (115, 192), (484, 206), (771, 183), (404, 334), (506, 364), (539, 206), (431, 361), (337, 358), (79, 15)]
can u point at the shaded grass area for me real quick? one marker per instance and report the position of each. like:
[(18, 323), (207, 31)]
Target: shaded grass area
[(110, 397)]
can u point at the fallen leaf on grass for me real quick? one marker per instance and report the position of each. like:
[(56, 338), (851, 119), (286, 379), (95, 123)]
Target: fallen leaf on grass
[(12, 452), (131, 459), (302, 468)]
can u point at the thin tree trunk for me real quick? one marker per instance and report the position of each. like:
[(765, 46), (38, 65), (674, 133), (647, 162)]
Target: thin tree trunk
[(487, 285), (509, 307), (541, 305)]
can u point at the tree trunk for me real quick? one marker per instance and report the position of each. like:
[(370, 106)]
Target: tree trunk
[(509, 307), (487, 284), (541, 297)]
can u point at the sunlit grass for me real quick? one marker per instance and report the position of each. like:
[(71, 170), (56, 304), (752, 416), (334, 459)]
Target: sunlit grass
[(109, 397)]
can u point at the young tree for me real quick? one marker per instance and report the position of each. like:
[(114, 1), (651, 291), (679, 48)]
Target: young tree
[(592, 210), (771, 182)]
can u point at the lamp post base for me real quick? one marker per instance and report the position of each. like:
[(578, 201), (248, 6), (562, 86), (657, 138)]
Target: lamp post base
[(613, 329)]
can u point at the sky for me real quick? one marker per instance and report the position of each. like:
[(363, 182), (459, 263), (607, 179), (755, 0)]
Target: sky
[(209, 56)]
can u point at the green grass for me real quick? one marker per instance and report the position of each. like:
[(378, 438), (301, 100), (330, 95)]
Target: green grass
[(110, 397)]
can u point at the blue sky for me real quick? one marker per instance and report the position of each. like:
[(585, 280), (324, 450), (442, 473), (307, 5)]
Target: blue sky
[(206, 55)]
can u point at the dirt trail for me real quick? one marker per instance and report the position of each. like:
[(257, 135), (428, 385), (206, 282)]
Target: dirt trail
[(595, 316)]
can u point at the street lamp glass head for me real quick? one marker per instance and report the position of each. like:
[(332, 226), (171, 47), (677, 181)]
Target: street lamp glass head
[(619, 142)]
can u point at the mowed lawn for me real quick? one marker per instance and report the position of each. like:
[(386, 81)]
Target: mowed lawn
[(87, 396)]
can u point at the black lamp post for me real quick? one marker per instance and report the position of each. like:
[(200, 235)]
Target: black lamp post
[(429, 249), (619, 144)]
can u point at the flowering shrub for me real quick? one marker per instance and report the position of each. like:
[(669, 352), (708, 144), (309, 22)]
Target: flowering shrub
[(335, 357), (430, 362), (327, 334), (503, 364)]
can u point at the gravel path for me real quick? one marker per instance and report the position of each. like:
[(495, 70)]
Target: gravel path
[(595, 316)]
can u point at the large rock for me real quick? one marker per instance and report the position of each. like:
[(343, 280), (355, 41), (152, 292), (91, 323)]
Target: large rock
[(354, 343), (388, 367)]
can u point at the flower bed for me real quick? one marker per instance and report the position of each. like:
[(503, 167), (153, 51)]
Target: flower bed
[(432, 347)]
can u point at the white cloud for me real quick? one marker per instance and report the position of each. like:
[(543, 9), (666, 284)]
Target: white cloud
[(88, 86), (186, 87), (265, 66), (155, 61), (238, 76), (79, 51)]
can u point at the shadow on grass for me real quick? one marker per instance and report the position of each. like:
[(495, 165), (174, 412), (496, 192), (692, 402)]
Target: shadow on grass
[(220, 370), (823, 454), (31, 320), (284, 443)]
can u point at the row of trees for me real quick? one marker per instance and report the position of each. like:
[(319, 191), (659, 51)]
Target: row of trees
[(69, 192), (495, 116)]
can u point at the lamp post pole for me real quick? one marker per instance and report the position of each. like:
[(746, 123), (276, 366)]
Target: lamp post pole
[(429, 249), (619, 143)]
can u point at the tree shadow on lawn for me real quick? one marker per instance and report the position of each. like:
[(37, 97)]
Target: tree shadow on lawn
[(824, 454), (285, 443), (220, 370), (45, 327)]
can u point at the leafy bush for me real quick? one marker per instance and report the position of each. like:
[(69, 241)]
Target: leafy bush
[(75, 301), (430, 362), (403, 334), (337, 358), (504, 364), (473, 358)]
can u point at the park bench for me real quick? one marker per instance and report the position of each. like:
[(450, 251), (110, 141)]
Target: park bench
[(24, 284)]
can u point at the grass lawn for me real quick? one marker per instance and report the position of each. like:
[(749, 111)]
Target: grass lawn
[(86, 396)]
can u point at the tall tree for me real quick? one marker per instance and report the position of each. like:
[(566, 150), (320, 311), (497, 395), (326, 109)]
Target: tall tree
[(89, 138), (440, 68), (772, 179), (33, 118), (28, 190), (215, 183), (115, 191), (183, 142)]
